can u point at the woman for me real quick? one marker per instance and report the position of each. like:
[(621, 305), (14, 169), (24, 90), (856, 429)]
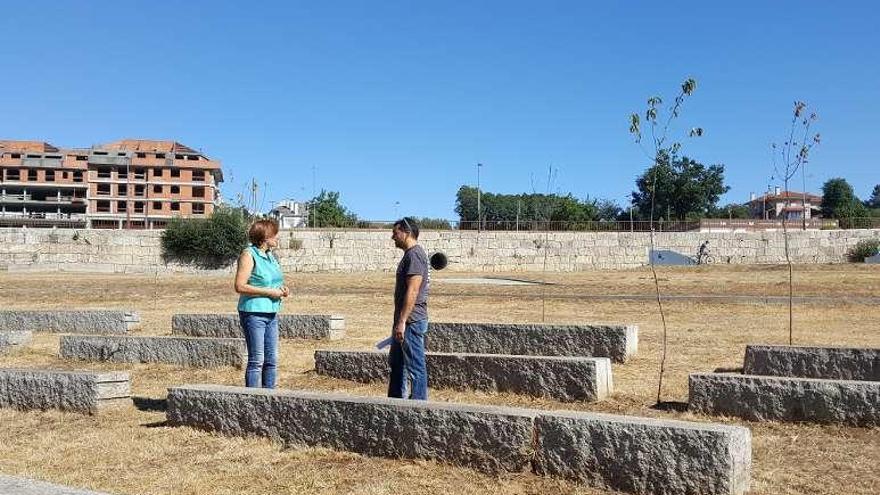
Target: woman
[(261, 284)]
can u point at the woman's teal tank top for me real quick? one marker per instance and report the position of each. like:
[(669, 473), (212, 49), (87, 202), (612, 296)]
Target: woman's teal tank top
[(266, 273)]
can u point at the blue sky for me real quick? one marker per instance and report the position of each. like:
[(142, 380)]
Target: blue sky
[(397, 101)]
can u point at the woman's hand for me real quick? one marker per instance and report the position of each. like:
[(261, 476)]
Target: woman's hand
[(275, 293), (285, 291)]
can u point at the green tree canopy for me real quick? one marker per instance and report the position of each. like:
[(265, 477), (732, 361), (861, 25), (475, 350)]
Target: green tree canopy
[(874, 200), (504, 209), (684, 188), (839, 200), (325, 210)]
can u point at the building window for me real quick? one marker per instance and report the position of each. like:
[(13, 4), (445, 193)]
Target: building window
[(78, 176), (122, 173), (139, 191), (122, 190), (141, 155), (175, 189), (32, 175), (103, 189), (120, 154), (81, 158), (139, 174), (103, 207), (12, 174), (121, 206), (175, 172), (198, 208), (193, 157), (198, 176), (178, 157), (101, 153), (175, 206), (105, 173), (157, 205), (160, 155), (159, 172), (198, 192), (64, 175), (138, 206), (157, 189), (50, 175), (16, 155)]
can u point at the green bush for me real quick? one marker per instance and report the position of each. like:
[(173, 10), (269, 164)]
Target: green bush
[(213, 242), (864, 249)]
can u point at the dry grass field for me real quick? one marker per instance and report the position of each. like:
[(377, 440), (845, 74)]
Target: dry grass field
[(130, 450)]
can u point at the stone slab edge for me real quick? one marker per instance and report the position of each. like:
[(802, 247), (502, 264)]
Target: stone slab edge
[(290, 326), (833, 363), (79, 391), (62, 321), (618, 342), (14, 338), (772, 398), (562, 378), (197, 352), (12, 485), (639, 455)]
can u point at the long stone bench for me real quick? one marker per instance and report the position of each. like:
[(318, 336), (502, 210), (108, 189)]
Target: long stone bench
[(78, 391), (773, 398), (560, 378), (618, 342), (833, 363), (639, 455), (12, 485), (330, 327), (86, 321), (182, 351), (644, 455), (12, 339)]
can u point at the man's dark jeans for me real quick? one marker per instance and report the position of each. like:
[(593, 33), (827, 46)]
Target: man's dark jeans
[(407, 362)]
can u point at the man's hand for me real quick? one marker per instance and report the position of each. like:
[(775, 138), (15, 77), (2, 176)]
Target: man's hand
[(399, 330)]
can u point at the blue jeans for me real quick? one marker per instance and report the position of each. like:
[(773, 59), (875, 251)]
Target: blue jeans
[(261, 336), (407, 362)]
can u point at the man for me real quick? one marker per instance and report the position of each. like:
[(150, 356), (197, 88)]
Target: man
[(407, 355)]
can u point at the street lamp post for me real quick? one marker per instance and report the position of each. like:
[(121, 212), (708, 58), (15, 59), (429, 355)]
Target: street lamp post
[(479, 212)]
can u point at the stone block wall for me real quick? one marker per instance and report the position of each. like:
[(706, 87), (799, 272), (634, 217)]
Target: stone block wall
[(115, 251)]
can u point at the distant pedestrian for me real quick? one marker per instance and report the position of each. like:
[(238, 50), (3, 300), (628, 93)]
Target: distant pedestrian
[(407, 354), (260, 282)]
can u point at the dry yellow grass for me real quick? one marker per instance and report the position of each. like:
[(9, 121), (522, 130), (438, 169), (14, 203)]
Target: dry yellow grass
[(129, 450)]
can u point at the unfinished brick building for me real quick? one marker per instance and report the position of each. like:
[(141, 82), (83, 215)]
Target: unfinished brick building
[(132, 183)]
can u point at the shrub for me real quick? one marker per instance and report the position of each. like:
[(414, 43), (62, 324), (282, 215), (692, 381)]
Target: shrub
[(864, 249), (213, 242)]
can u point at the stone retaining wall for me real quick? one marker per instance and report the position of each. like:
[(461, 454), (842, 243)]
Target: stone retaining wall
[(78, 391), (182, 351), (86, 321), (331, 327), (618, 342), (639, 455), (836, 363), (121, 251), (560, 378), (771, 398)]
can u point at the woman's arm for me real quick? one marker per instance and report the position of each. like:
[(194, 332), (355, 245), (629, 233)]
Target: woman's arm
[(243, 273)]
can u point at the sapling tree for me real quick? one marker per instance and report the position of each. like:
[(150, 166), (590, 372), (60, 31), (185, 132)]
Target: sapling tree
[(655, 139), (787, 160)]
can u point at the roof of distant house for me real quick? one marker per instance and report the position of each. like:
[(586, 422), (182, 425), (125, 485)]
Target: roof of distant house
[(785, 195)]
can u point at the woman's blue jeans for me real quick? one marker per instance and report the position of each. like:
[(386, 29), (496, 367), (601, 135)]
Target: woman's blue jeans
[(407, 362), (261, 336)]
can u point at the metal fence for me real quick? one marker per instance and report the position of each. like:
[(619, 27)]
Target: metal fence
[(705, 224)]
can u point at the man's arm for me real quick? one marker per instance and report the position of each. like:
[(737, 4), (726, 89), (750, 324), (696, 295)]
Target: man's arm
[(413, 282)]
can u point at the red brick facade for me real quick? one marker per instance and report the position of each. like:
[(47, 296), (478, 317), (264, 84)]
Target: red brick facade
[(124, 184)]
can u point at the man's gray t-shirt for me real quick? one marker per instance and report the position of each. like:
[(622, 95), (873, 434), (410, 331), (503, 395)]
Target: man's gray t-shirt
[(414, 262)]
